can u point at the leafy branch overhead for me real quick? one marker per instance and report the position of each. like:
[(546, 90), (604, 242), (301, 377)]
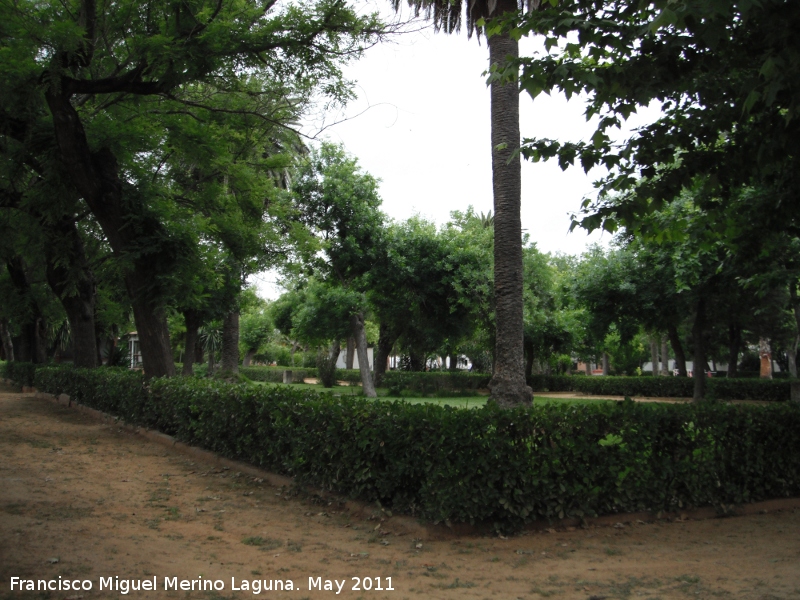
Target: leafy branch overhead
[(725, 74)]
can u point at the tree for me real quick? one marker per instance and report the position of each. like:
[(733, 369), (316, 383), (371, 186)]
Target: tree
[(97, 80), (508, 385), (339, 207)]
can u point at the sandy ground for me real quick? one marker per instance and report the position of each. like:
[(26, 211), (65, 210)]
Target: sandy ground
[(84, 500)]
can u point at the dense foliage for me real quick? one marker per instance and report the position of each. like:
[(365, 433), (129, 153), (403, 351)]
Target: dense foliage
[(446, 464)]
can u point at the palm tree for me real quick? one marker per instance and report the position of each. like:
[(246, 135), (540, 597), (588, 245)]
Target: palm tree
[(508, 380)]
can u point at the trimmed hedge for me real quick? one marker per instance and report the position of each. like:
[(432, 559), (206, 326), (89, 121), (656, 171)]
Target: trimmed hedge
[(447, 464), (719, 388), (431, 383), (551, 383), (275, 374), (22, 373)]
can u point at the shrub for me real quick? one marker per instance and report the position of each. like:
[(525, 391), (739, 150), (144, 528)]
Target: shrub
[(448, 464), (275, 374), (21, 373), (434, 383), (551, 383)]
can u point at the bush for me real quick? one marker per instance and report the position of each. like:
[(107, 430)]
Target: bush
[(447, 464), (551, 383), (719, 388), (275, 374), (21, 373), (658, 387), (434, 383)]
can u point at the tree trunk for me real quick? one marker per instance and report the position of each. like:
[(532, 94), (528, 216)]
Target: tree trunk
[(69, 276), (199, 353), (508, 387), (699, 356), (606, 365), (360, 338), (31, 344), (677, 350), (124, 221), (351, 350), (192, 320), (5, 338), (453, 358), (248, 357), (230, 343), (765, 354), (326, 365), (796, 310), (664, 358), (734, 344), (654, 355), (386, 341), (529, 357)]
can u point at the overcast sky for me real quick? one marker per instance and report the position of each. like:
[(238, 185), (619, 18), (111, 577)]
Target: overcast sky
[(421, 125)]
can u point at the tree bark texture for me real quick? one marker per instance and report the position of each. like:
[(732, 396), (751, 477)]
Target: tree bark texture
[(230, 343), (191, 319), (69, 276), (5, 338), (326, 364), (248, 357), (677, 350), (96, 176), (796, 310), (606, 365), (386, 340), (699, 356), (654, 355), (664, 358), (734, 345), (765, 354), (360, 339), (508, 386), (351, 351), (31, 344)]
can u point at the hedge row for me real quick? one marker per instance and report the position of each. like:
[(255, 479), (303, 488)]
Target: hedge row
[(20, 372), (434, 382), (275, 374), (683, 387), (447, 464)]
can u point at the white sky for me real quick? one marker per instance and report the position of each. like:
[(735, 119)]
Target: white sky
[(421, 125)]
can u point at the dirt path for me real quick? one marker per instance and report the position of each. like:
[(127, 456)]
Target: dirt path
[(86, 500)]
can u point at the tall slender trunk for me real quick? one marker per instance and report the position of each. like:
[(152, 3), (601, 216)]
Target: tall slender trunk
[(664, 357), (529, 357), (386, 340), (69, 276), (230, 343), (606, 365), (734, 344), (796, 311), (677, 350), (192, 320), (125, 223), (508, 386), (351, 350), (654, 355), (360, 338), (31, 344), (699, 354), (5, 338), (765, 354)]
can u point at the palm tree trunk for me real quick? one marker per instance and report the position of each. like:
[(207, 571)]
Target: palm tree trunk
[(508, 385)]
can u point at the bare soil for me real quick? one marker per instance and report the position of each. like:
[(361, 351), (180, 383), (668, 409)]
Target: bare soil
[(83, 499)]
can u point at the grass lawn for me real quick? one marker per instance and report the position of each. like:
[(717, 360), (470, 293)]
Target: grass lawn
[(458, 401)]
